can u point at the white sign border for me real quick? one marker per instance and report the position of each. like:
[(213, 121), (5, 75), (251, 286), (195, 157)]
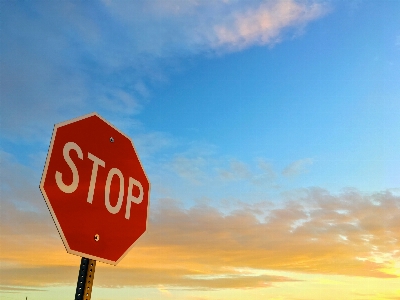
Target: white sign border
[(53, 215)]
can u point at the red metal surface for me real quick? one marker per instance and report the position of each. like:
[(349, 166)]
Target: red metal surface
[(79, 221)]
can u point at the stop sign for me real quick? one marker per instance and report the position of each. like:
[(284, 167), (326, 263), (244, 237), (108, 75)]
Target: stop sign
[(95, 188)]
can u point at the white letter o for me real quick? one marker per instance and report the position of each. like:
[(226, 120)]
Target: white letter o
[(114, 209)]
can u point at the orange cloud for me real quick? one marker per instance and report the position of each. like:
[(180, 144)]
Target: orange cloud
[(202, 247), (322, 234)]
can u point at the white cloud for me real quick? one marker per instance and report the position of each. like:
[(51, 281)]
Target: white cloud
[(266, 23), (64, 59), (192, 26)]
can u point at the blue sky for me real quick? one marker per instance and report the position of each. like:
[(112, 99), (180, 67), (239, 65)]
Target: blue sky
[(326, 91), (328, 95), (231, 104)]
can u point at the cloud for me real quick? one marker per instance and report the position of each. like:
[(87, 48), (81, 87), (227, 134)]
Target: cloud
[(204, 235), (152, 142), (191, 169), (267, 168), (298, 167), (209, 169), (237, 171), (11, 289), (313, 231), (140, 277), (195, 26), (60, 60), (266, 23), (317, 232), (16, 183)]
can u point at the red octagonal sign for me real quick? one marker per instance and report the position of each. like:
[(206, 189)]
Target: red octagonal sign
[(95, 188)]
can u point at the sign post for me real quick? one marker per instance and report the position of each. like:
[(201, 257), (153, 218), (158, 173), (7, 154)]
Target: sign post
[(96, 190), (85, 279)]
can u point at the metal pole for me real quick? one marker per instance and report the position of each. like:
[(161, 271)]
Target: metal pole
[(85, 279)]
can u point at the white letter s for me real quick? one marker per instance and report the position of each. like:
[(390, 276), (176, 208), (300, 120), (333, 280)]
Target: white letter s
[(75, 176)]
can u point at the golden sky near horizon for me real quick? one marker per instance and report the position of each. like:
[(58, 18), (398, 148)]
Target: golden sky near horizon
[(251, 247)]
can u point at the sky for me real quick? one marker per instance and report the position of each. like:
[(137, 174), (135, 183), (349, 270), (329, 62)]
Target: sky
[(269, 130)]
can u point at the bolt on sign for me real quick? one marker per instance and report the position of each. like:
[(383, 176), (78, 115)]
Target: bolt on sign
[(95, 188)]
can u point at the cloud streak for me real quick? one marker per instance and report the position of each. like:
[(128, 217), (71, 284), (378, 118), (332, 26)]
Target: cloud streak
[(281, 242), (297, 167), (60, 60), (314, 231), (139, 277), (266, 23), (319, 233)]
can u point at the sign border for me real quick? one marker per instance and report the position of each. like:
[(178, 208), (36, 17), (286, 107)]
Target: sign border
[(48, 203)]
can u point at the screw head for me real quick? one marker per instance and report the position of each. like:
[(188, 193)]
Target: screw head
[(111, 139), (96, 237)]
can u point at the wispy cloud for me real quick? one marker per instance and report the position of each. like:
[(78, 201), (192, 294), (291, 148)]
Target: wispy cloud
[(61, 60), (297, 167), (266, 23), (267, 168), (152, 142), (191, 169), (12, 289), (203, 169), (302, 236), (237, 171), (140, 277), (318, 233)]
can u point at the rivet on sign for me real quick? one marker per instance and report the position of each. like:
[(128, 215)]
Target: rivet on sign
[(96, 237), (111, 139)]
